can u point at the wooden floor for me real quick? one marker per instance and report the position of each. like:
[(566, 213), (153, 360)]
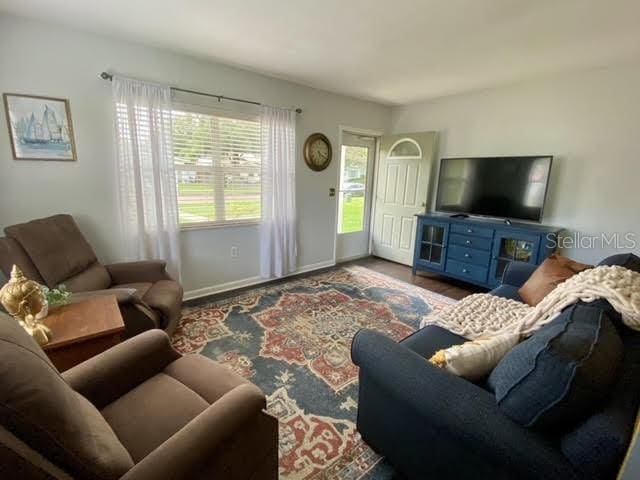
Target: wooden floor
[(444, 286)]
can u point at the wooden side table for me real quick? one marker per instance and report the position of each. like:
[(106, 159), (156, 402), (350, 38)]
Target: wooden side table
[(83, 330)]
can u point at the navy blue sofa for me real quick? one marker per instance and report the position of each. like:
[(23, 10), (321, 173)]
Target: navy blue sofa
[(431, 424)]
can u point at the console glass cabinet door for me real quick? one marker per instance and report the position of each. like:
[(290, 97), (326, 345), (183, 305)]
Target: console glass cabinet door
[(432, 237), (509, 246)]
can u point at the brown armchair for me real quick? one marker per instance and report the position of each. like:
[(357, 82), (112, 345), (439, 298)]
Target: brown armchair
[(139, 411), (53, 251)]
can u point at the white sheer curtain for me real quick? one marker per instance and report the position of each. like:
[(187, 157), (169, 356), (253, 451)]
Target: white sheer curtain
[(146, 179), (278, 248)]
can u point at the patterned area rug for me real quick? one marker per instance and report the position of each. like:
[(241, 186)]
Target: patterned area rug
[(293, 340)]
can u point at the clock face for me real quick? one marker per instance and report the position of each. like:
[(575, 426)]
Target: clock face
[(317, 152)]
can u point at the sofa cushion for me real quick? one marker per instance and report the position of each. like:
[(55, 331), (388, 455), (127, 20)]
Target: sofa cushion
[(562, 372), (55, 245), (430, 339), (196, 372), (95, 277), (155, 410), (42, 410), (152, 412), (552, 272), (626, 260)]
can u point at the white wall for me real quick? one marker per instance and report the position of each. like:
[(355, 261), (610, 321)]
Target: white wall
[(590, 122), (42, 59)]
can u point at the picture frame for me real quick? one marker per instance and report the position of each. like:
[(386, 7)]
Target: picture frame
[(40, 128)]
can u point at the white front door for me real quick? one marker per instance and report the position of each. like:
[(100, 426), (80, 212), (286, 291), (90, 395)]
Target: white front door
[(354, 195), (401, 192)]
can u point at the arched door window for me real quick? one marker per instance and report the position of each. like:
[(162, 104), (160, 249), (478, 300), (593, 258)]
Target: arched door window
[(405, 148)]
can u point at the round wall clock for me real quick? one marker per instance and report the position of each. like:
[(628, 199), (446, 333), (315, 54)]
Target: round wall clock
[(317, 152)]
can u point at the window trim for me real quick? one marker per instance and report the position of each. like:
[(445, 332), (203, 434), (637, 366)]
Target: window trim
[(220, 224), (218, 112)]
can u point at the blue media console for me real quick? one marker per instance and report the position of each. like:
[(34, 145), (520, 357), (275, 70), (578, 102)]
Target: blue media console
[(478, 250)]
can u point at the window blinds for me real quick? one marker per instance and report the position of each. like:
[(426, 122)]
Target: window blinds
[(217, 163)]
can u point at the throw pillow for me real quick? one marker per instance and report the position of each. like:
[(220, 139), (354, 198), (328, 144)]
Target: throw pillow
[(626, 260), (475, 359), (562, 371), (598, 445), (551, 273)]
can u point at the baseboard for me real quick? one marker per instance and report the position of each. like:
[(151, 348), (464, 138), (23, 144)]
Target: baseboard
[(312, 267), (250, 282), (222, 287), (353, 257)]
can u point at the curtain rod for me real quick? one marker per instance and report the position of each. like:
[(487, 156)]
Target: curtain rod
[(108, 76)]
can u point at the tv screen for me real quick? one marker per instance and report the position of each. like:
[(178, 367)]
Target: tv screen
[(503, 187)]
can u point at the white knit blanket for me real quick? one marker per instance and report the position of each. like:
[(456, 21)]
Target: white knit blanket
[(484, 314)]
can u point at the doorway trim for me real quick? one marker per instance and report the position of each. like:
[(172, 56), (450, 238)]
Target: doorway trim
[(376, 134)]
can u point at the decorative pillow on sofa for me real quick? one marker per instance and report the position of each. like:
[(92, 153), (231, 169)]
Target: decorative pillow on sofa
[(474, 360), (626, 260), (598, 444), (552, 272), (561, 372)]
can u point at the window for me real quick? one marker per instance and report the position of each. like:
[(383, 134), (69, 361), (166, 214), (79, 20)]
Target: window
[(353, 174), (405, 148), (355, 159), (217, 162)]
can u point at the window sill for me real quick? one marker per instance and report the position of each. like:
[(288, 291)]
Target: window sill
[(214, 226)]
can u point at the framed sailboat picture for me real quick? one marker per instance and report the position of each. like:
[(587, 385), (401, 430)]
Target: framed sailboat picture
[(40, 127)]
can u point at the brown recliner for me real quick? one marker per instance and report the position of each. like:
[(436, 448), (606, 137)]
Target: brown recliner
[(138, 411), (53, 251)]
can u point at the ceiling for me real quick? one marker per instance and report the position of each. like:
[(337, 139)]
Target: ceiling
[(390, 51)]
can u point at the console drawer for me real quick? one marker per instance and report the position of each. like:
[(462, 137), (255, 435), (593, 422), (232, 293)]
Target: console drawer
[(479, 243), (469, 255), (467, 270), (472, 230)]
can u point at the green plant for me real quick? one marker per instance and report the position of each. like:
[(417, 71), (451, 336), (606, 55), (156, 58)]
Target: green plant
[(56, 296)]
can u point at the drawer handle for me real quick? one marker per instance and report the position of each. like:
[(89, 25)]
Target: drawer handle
[(466, 255), (469, 230), (464, 270), (468, 242)]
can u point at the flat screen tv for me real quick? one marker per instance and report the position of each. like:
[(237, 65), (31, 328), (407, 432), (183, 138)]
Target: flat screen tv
[(501, 187)]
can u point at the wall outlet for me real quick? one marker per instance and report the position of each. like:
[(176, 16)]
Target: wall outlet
[(234, 252)]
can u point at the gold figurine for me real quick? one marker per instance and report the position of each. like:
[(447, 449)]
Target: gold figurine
[(25, 301)]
